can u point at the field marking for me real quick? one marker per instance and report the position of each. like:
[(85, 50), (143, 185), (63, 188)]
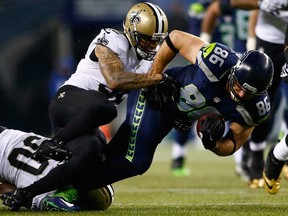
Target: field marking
[(197, 204)]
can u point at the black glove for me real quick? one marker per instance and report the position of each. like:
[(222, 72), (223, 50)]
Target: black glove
[(16, 199), (165, 92), (212, 129), (183, 124), (51, 149), (284, 72)]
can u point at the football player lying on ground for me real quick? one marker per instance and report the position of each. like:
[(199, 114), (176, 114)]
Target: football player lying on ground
[(217, 81), (20, 170)]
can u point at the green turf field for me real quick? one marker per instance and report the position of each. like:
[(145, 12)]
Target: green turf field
[(212, 189)]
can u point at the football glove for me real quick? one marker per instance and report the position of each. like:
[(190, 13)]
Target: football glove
[(16, 199), (167, 91), (284, 72), (272, 6), (183, 124), (211, 130), (51, 149)]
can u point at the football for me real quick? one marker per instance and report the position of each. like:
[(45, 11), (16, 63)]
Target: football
[(97, 199), (205, 116)]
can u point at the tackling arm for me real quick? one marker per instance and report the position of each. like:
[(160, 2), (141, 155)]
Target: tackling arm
[(113, 71), (187, 44), (227, 145)]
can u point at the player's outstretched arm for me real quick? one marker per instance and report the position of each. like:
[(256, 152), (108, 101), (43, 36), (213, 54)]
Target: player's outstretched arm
[(187, 45)]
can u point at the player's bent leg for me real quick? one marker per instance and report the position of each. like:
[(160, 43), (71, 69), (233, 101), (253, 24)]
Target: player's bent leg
[(256, 160), (271, 173), (179, 152), (179, 168)]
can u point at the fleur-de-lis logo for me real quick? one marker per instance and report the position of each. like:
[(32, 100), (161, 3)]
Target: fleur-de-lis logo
[(61, 95), (103, 40), (134, 17)]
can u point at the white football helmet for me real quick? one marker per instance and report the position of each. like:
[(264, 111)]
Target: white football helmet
[(145, 26)]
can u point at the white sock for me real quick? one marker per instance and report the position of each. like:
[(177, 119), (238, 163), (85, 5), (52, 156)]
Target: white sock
[(257, 146), (178, 150), (281, 150), (238, 156)]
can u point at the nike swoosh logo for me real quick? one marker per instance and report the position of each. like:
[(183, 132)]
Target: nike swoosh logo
[(67, 203), (269, 186)]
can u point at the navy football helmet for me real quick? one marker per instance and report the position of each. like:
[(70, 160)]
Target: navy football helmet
[(253, 73)]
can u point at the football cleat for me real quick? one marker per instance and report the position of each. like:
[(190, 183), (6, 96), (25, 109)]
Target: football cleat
[(272, 186), (178, 167), (58, 204), (271, 173), (62, 200), (256, 183)]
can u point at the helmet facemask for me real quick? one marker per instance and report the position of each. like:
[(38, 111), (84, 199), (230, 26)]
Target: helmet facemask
[(232, 83), (147, 47)]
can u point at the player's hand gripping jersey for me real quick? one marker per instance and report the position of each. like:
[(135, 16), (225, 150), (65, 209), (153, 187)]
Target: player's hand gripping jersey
[(204, 88)]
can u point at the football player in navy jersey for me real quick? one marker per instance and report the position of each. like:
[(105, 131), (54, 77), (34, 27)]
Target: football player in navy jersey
[(272, 16), (217, 81)]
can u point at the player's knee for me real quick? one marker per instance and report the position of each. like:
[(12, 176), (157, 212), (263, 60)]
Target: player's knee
[(142, 167), (103, 113)]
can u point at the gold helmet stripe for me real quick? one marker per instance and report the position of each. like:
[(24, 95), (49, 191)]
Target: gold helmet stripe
[(159, 14)]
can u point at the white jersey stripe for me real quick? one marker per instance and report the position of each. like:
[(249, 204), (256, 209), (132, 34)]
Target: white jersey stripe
[(208, 73)]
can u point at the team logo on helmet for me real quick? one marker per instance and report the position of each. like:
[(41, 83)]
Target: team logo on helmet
[(134, 17)]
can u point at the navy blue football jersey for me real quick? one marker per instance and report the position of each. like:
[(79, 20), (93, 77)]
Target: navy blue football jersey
[(204, 88)]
